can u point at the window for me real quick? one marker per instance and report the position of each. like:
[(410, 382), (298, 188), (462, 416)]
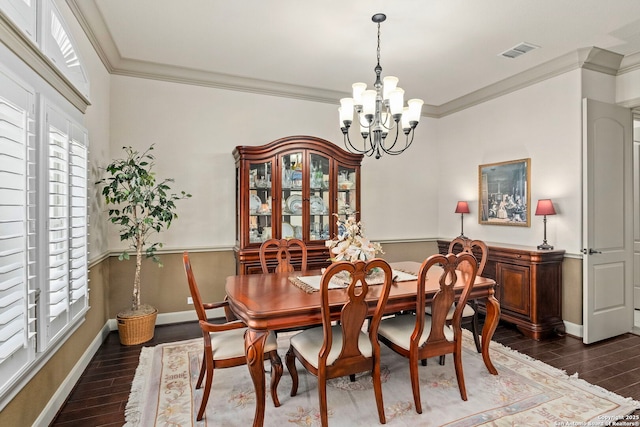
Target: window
[(42, 23), (59, 47), (43, 229), (17, 228), (43, 215), (23, 13), (66, 166)]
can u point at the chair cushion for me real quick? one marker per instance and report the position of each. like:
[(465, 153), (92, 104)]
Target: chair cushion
[(467, 311), (228, 344), (308, 344), (399, 329)]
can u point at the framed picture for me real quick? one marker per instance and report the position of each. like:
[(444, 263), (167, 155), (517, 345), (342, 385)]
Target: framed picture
[(505, 193)]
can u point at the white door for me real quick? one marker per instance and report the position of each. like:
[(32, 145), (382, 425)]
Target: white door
[(607, 220)]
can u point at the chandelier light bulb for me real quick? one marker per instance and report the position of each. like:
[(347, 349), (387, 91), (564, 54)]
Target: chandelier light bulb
[(358, 89), (396, 101), (404, 120), (389, 84), (346, 111), (415, 108), (369, 102)]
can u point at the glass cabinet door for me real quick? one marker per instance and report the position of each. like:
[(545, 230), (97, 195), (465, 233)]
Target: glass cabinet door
[(291, 222), (319, 194), (347, 191), (260, 220)]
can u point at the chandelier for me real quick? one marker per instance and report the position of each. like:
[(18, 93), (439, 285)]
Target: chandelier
[(379, 111)]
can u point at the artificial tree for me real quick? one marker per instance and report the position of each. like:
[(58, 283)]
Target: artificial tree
[(141, 205)]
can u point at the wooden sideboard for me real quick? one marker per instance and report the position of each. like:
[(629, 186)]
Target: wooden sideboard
[(529, 286)]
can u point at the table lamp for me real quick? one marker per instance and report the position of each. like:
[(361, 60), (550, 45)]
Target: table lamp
[(545, 207), (462, 208)]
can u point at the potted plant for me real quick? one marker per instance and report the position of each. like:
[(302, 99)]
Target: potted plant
[(142, 205)]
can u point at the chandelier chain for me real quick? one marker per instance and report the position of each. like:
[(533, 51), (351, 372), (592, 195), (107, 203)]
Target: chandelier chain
[(378, 51)]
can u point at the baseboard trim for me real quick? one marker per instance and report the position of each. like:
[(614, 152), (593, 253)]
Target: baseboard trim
[(175, 317), (573, 329), (62, 393)]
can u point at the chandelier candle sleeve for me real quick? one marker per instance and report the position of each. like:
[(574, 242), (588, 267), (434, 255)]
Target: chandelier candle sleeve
[(379, 111)]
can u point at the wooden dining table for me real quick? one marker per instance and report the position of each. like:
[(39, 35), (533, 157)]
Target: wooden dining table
[(271, 302)]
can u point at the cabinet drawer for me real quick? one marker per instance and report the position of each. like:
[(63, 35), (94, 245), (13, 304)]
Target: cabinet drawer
[(514, 288)]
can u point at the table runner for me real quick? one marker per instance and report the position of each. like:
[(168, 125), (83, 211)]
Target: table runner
[(311, 284)]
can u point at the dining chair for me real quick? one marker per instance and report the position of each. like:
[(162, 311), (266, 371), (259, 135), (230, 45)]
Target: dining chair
[(418, 336), (339, 349), (284, 260), (224, 343), (284, 254), (470, 311)]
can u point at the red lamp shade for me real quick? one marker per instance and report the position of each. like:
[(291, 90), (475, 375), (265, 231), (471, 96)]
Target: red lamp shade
[(462, 207), (545, 207)]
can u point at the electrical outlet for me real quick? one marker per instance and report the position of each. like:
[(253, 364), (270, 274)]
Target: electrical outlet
[(189, 300)]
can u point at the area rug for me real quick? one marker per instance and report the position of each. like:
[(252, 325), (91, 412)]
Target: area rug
[(526, 392)]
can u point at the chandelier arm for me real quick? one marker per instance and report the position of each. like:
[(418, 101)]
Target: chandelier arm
[(392, 122), (349, 145), (407, 145)]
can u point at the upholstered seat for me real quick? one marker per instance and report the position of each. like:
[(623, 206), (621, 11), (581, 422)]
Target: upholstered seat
[(399, 329), (337, 350), (417, 336), (224, 343)]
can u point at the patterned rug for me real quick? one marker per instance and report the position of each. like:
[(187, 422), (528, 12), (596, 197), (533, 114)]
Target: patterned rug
[(526, 392)]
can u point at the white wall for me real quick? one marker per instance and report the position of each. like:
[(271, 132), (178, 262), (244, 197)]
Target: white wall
[(628, 88), (405, 197), (195, 130), (541, 122)]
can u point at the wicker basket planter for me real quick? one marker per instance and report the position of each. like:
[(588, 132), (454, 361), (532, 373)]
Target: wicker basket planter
[(136, 328)]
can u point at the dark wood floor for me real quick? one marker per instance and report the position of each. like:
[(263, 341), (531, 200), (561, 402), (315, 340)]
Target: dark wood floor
[(100, 397)]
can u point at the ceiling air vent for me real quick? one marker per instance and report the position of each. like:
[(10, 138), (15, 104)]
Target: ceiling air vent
[(518, 50)]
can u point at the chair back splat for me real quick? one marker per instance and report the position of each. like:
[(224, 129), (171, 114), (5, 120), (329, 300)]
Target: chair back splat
[(472, 247), (479, 249), (283, 255), (418, 337), (336, 350)]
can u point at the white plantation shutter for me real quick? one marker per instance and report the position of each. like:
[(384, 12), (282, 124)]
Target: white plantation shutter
[(78, 265), (58, 216), (17, 229), (67, 216), (58, 45)]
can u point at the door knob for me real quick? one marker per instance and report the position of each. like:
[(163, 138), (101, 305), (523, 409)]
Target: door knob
[(591, 251)]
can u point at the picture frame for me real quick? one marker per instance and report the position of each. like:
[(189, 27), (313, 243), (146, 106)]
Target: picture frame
[(504, 193)]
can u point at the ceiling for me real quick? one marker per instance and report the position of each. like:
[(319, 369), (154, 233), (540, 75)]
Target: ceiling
[(441, 50)]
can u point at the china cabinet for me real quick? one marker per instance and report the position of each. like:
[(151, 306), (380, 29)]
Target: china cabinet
[(529, 286), (290, 188)]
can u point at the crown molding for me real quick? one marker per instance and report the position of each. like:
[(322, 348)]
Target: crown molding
[(591, 58), (93, 25), (176, 74), (630, 63), (90, 18), (16, 41), (600, 60)]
